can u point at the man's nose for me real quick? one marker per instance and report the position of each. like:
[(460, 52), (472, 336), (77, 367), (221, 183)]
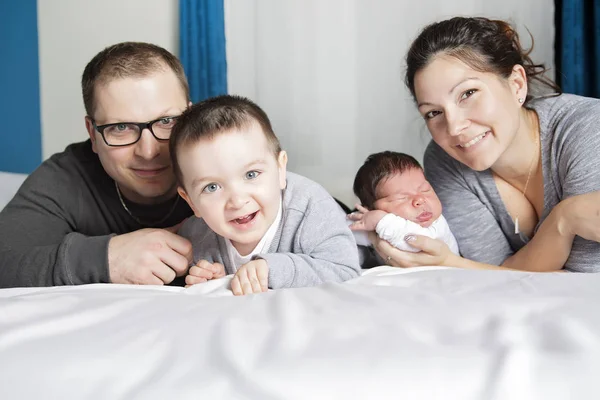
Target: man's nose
[(147, 147)]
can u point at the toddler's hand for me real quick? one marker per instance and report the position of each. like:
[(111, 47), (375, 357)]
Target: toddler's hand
[(204, 271), (365, 220), (252, 277)]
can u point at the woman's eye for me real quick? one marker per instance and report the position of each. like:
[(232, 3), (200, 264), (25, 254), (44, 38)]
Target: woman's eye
[(211, 188), (431, 114), (468, 94), (252, 174)]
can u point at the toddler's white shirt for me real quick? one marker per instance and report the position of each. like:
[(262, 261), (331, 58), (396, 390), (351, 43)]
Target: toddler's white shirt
[(262, 247)]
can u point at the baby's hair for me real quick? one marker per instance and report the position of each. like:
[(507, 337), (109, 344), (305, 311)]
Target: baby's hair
[(214, 116), (377, 168)]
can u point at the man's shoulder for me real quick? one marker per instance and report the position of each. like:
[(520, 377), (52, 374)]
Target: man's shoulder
[(68, 168), (75, 158)]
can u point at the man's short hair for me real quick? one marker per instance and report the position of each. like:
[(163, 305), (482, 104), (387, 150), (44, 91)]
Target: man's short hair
[(216, 115), (377, 168), (128, 59)]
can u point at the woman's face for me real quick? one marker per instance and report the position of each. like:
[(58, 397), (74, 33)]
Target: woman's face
[(473, 116)]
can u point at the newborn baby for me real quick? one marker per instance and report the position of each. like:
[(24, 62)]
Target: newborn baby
[(397, 201)]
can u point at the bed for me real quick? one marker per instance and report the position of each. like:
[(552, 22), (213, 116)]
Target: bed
[(423, 333)]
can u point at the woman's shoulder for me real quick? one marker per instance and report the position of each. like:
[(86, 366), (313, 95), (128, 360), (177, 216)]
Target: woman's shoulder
[(436, 159), (566, 109), (570, 123)]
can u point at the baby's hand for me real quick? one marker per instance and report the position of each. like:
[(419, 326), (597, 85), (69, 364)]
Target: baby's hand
[(204, 271), (252, 277), (365, 220)]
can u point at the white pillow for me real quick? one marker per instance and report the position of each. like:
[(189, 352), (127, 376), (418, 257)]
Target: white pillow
[(9, 184)]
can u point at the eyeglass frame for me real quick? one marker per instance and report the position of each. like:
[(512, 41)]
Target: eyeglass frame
[(141, 126)]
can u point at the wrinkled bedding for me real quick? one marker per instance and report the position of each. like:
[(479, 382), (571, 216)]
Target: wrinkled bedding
[(424, 333)]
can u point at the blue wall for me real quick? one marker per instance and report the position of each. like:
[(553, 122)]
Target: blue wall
[(20, 132)]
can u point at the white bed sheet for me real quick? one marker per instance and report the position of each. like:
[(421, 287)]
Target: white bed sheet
[(425, 333)]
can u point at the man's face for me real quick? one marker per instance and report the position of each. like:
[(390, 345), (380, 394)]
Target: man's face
[(234, 181), (143, 169)]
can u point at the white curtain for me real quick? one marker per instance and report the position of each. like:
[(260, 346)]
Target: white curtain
[(329, 73)]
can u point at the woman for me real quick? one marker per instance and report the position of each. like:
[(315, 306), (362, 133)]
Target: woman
[(512, 169)]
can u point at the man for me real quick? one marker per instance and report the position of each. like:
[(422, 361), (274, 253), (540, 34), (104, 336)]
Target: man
[(94, 212)]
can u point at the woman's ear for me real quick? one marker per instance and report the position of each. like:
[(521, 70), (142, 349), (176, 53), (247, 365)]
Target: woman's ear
[(282, 166), (188, 200), (518, 83)]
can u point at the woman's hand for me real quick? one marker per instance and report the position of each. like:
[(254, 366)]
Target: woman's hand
[(580, 215), (433, 252)]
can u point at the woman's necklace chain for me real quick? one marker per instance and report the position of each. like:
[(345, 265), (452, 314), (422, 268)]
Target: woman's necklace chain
[(535, 152)]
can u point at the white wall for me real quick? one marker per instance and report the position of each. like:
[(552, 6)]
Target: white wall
[(330, 73), (71, 32)]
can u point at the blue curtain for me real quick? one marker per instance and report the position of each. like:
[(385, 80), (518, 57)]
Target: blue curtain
[(20, 132), (202, 47), (579, 64)]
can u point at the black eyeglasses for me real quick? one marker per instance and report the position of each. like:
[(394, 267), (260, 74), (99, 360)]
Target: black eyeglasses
[(128, 133)]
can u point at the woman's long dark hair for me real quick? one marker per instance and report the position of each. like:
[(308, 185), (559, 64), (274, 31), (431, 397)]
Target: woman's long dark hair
[(483, 44)]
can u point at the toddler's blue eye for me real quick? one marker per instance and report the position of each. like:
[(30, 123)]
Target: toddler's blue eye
[(211, 188), (252, 174)]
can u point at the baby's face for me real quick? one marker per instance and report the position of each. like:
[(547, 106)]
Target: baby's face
[(410, 196)]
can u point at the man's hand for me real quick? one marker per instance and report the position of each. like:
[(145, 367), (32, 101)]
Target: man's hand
[(252, 277), (204, 271), (148, 257), (365, 220)]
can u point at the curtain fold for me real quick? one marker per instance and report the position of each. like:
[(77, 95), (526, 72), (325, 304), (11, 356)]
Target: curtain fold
[(580, 47), (202, 47)]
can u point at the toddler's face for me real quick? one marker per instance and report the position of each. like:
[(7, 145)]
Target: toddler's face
[(234, 181), (410, 196)]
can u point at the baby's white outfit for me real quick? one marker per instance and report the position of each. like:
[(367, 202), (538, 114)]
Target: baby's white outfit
[(393, 229)]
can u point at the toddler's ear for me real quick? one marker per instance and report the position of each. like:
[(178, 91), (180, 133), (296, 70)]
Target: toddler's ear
[(282, 165), (188, 200)]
